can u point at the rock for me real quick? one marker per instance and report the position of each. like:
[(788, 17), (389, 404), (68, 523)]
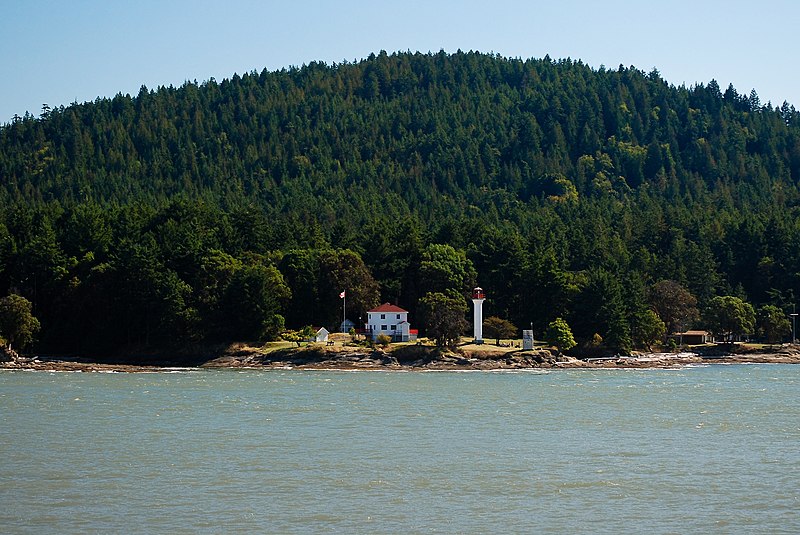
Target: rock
[(8, 355)]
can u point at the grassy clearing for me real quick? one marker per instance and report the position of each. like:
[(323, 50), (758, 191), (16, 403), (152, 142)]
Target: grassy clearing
[(274, 346), (343, 342)]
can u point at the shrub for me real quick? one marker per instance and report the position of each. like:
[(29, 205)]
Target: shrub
[(559, 334)]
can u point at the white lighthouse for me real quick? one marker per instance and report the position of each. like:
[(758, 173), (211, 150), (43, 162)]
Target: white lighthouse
[(478, 298)]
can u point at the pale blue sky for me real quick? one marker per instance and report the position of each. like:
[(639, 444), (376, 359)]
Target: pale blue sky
[(57, 52)]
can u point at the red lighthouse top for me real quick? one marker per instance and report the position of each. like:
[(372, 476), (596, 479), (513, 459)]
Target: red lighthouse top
[(477, 293)]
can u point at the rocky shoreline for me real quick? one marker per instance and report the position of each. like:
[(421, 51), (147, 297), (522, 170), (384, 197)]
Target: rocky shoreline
[(419, 358)]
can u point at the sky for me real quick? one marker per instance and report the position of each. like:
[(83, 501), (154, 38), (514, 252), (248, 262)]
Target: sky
[(58, 52)]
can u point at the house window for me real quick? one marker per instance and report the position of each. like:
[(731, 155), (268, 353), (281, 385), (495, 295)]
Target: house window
[(383, 327), (383, 316), (394, 327), (398, 316)]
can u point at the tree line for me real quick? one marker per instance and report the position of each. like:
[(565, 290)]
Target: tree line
[(231, 210), (138, 277)]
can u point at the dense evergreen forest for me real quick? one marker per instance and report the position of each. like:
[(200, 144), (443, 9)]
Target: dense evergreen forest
[(231, 210)]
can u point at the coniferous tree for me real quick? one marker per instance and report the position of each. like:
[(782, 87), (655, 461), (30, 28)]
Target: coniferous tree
[(126, 220)]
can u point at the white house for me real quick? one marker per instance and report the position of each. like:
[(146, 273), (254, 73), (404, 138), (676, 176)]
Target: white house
[(390, 320)]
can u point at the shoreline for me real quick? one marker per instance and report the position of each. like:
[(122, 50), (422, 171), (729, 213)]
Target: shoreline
[(409, 359)]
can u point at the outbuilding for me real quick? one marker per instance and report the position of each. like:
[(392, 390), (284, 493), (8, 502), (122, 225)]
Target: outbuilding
[(321, 335), (694, 338)]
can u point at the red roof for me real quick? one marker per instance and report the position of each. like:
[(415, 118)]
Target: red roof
[(386, 307)]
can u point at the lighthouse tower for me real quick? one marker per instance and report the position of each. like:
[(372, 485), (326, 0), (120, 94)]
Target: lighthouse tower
[(477, 313)]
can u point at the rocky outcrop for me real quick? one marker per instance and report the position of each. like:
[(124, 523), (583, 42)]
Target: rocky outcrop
[(417, 358), (8, 355)]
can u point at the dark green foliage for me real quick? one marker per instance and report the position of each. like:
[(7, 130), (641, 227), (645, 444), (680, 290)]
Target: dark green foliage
[(497, 328), (728, 317), (444, 269), (394, 253), (646, 328), (306, 334), (443, 315), (499, 256), (18, 326), (168, 216), (675, 305), (251, 304), (149, 302), (559, 335), (343, 270), (773, 324), (601, 307), (317, 277)]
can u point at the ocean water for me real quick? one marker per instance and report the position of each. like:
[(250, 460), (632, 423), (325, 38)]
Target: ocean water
[(712, 449)]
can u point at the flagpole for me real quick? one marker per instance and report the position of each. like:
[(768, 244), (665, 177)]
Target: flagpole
[(344, 305)]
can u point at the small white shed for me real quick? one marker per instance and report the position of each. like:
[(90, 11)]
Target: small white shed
[(321, 335)]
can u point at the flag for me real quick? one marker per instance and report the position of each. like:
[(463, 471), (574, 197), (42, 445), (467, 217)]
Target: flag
[(341, 295)]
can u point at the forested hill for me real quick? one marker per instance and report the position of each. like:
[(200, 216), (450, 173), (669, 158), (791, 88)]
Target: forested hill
[(559, 188), (419, 130)]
